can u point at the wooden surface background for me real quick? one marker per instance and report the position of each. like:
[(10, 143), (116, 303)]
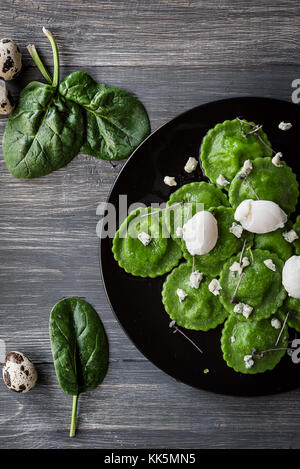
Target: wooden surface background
[(173, 55)]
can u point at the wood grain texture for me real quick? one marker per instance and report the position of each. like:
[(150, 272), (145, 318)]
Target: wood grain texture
[(160, 32), (173, 55), (138, 406)]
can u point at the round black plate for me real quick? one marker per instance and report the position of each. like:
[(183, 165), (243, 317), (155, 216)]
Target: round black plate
[(137, 301)]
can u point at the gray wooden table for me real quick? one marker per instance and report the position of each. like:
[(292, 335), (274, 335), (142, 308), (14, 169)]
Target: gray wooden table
[(173, 55)]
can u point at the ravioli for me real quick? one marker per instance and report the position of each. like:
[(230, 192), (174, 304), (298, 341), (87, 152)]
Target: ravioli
[(269, 183), (190, 195), (200, 310), (275, 242), (226, 147), (227, 244), (158, 257), (296, 243), (239, 339), (293, 306), (259, 287)]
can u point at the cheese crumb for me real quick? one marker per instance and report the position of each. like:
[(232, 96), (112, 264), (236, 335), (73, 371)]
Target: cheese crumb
[(236, 267), (170, 181), (249, 362), (222, 181), (275, 323), (232, 339), (236, 229), (195, 279), (285, 125), (244, 309), (270, 264), (191, 165), (276, 160), (290, 236), (246, 169), (179, 232), (181, 294), (214, 287), (144, 238)]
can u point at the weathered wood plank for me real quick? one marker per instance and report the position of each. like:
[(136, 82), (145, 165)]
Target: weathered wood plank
[(159, 32), (168, 91), (137, 407)]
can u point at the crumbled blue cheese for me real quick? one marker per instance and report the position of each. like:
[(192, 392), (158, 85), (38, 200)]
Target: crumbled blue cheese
[(191, 165), (276, 160), (221, 181), (236, 229), (170, 181), (214, 287), (179, 232), (236, 267), (232, 339), (249, 362), (195, 279), (270, 264), (239, 267), (246, 169), (244, 309), (275, 323), (181, 294), (245, 262), (285, 125), (290, 236), (144, 238)]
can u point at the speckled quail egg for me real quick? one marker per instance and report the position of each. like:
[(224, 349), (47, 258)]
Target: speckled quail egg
[(19, 372), (6, 100), (10, 59)]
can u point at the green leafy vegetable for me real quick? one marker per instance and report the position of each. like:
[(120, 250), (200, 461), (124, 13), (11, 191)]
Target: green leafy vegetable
[(79, 347), (116, 122), (53, 122), (45, 131)]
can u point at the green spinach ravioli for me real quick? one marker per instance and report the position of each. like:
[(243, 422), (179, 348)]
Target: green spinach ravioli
[(260, 287), (182, 204), (292, 305), (239, 280), (152, 260), (240, 339), (227, 244), (296, 243), (226, 147), (275, 242), (278, 184), (200, 309)]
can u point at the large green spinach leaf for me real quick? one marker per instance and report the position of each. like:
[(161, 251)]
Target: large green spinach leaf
[(116, 122), (53, 122), (45, 131), (79, 347)]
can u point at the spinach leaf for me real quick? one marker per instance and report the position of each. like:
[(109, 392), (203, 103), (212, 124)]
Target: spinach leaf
[(45, 131), (41, 134), (79, 347), (116, 122)]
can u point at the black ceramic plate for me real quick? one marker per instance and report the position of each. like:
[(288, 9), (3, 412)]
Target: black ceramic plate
[(136, 301)]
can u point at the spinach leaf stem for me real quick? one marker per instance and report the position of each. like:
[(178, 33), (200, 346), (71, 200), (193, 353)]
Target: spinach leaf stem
[(74, 412), (55, 81), (38, 62)]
